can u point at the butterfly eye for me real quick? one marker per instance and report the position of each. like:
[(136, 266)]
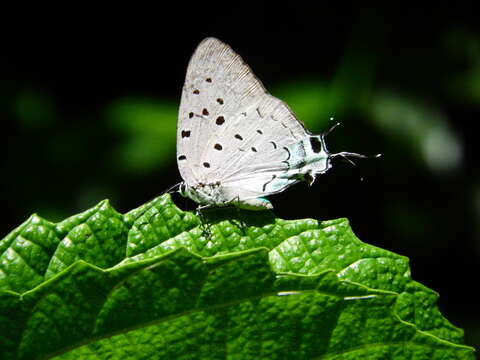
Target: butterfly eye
[(316, 144)]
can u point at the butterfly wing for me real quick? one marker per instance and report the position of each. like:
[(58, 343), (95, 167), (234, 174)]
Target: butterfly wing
[(230, 130), (218, 86)]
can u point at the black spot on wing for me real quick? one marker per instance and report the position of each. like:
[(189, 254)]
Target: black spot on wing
[(268, 182), (218, 147), (274, 144), (238, 136), (182, 157), (206, 164), (220, 101), (220, 120), (288, 152), (185, 133), (205, 112)]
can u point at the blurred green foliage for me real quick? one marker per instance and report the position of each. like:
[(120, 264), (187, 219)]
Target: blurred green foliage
[(465, 46), (308, 99), (421, 129), (147, 131), (34, 109)]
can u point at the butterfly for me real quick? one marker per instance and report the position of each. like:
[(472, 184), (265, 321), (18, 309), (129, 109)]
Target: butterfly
[(236, 143)]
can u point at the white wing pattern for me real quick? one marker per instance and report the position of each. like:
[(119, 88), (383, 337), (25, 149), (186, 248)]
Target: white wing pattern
[(236, 143)]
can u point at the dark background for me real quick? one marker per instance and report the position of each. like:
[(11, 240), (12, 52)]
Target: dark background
[(89, 98)]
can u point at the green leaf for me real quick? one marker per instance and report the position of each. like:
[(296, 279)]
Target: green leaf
[(158, 282)]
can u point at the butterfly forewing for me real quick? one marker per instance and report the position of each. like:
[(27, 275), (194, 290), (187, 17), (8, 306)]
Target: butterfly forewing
[(217, 83)]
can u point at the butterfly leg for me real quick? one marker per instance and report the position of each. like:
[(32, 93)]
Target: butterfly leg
[(241, 220), (203, 223)]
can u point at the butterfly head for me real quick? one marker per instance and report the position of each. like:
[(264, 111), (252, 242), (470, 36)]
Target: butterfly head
[(317, 159)]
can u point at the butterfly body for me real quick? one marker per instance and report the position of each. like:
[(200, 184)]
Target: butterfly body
[(215, 194), (236, 143)]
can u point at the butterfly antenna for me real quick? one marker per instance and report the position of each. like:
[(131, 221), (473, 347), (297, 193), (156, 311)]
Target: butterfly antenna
[(346, 155), (330, 129)]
